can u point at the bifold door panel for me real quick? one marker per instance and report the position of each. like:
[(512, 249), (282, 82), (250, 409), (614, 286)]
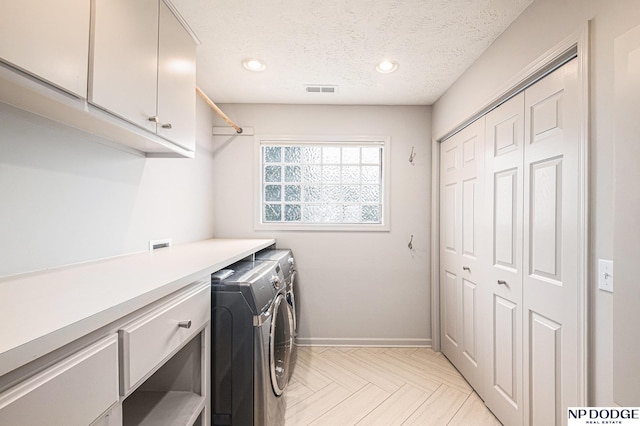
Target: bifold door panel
[(509, 191), (504, 158), (461, 183)]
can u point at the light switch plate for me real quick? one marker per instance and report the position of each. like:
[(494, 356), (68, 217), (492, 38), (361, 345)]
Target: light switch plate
[(605, 275)]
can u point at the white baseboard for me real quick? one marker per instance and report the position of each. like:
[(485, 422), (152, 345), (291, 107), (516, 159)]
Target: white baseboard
[(362, 342)]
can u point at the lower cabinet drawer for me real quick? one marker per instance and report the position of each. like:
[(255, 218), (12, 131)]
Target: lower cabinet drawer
[(75, 391), (147, 341)]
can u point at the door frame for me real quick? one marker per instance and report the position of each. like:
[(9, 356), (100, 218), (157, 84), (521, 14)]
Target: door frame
[(575, 45)]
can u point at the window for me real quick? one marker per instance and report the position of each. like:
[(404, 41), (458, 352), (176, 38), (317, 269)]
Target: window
[(322, 184)]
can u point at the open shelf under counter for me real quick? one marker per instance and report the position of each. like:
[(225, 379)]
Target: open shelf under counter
[(152, 408)]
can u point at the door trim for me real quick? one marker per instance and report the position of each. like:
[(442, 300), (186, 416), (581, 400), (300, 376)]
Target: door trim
[(578, 41)]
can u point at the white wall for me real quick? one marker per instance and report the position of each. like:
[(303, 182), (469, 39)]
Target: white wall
[(539, 28), (355, 287), (65, 197), (626, 299)]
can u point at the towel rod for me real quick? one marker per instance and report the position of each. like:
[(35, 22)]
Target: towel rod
[(218, 110)]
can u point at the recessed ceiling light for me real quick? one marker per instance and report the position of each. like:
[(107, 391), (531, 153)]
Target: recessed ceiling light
[(254, 64), (386, 67)]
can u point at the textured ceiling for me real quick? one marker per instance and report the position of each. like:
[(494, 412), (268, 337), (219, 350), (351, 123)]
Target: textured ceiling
[(339, 42)]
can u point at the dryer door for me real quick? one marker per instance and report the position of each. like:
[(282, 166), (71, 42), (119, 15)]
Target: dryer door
[(280, 343)]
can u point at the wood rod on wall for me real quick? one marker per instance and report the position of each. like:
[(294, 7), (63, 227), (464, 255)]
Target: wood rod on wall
[(218, 110)]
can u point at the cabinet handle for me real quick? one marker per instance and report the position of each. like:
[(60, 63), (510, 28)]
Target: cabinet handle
[(184, 324), (502, 282), (167, 126), (466, 268), (155, 119)]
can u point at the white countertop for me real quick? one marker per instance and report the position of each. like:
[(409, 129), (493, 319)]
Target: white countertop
[(43, 311)]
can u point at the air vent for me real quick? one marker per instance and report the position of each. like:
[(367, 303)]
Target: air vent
[(317, 88), (158, 244)]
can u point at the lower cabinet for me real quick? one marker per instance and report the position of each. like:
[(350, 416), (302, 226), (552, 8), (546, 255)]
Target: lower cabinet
[(150, 368), (164, 366), (75, 391)]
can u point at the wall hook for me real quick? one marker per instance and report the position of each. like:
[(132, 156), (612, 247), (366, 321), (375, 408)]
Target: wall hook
[(412, 155), (410, 245)]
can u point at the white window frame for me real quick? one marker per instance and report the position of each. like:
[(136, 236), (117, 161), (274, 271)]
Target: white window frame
[(383, 141)]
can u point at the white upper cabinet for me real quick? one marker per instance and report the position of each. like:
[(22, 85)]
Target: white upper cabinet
[(143, 68), (49, 40), (176, 81), (124, 68)]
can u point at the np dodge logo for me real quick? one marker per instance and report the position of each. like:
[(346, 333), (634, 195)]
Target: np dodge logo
[(603, 416)]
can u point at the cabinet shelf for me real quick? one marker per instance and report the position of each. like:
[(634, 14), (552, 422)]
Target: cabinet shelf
[(162, 407)]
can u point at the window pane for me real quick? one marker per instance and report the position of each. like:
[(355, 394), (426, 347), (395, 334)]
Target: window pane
[(330, 174), (272, 212), (371, 214), (371, 155), (371, 193), (331, 155), (312, 174), (292, 193), (312, 213), (351, 193), (332, 193), (292, 154), (272, 174), (272, 154), (311, 154), (292, 212), (350, 174), (333, 213), (352, 214), (292, 174), (370, 174), (273, 193), (311, 193), (324, 183), (350, 155)]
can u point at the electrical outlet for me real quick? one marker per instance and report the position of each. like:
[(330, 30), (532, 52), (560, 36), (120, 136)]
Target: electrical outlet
[(605, 275)]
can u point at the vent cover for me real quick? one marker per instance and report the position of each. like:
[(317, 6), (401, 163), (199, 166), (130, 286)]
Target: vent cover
[(320, 88)]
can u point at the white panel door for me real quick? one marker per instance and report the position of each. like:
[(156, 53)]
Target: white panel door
[(504, 160), (550, 257), (450, 159), (461, 186)]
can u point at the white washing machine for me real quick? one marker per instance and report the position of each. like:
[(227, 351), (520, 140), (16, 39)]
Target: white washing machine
[(251, 341)]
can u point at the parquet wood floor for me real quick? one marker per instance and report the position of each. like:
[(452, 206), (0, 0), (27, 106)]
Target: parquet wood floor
[(380, 386)]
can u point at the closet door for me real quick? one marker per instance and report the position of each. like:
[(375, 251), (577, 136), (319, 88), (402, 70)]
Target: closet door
[(551, 185), (504, 156), (461, 180)]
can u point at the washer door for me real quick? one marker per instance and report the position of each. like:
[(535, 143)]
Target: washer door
[(291, 299), (280, 343)]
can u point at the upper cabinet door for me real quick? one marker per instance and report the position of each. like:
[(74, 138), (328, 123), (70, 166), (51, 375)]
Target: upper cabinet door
[(48, 39), (123, 77), (176, 81)]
